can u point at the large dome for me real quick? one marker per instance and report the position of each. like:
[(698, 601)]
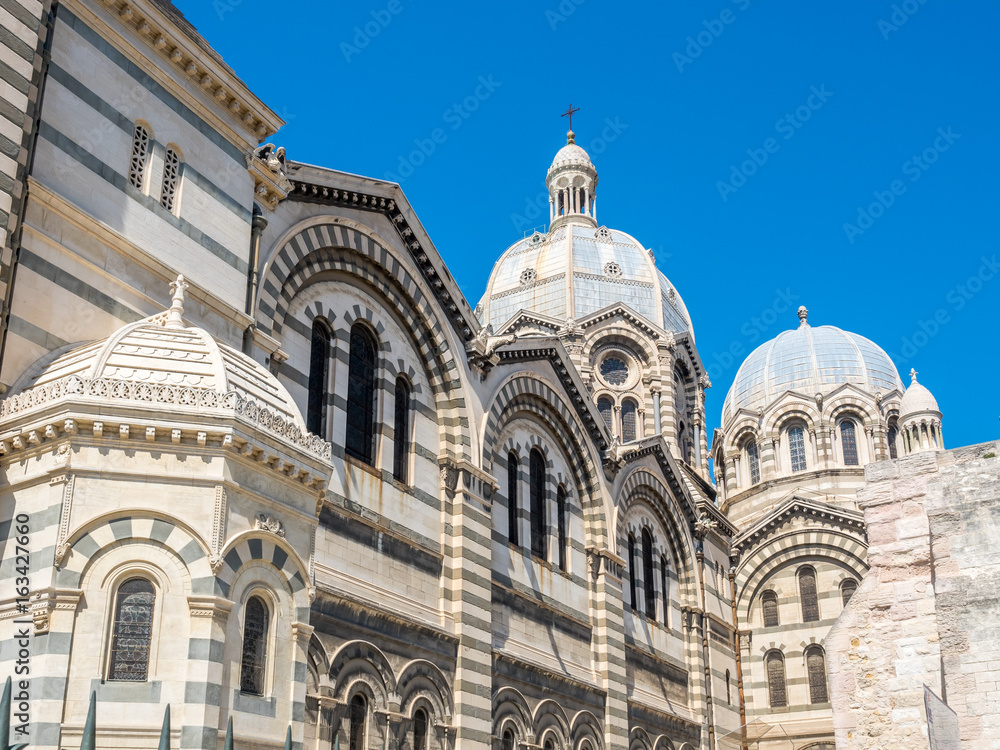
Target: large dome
[(577, 270), (809, 360)]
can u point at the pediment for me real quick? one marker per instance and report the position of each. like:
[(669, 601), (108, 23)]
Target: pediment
[(798, 506)]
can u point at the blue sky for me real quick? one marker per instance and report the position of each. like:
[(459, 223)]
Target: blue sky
[(840, 155)]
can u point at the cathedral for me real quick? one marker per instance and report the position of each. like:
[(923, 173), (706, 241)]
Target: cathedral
[(263, 464)]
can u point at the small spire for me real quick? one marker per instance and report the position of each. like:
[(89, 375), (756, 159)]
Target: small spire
[(913, 376), (570, 137), (803, 316), (175, 316)]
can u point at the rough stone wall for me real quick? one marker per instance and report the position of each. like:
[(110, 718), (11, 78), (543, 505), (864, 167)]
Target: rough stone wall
[(927, 612)]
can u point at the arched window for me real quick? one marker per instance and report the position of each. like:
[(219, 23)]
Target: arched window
[(561, 525), (847, 589), (647, 573), (816, 668), (665, 588), (607, 411), (513, 468), (769, 607), (361, 378), (539, 531), (132, 631), (893, 434), (171, 179), (631, 572), (319, 377), (139, 160), (680, 397), (729, 695), (549, 744), (774, 663), (256, 621), (420, 730), (849, 442), (807, 593), (753, 462), (358, 717), (628, 420), (508, 740), (401, 430), (797, 448)]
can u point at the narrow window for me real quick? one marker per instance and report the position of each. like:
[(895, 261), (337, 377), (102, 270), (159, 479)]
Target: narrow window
[(360, 441), (420, 730), (664, 587), (255, 625), (171, 179), (847, 589), (816, 667), (140, 156), (549, 744), (401, 430), (538, 526), (775, 665), (319, 377), (628, 421), (508, 740), (753, 460), (561, 525), (604, 406), (729, 696), (893, 433), (807, 593), (132, 631), (797, 448), (631, 572), (513, 468), (849, 442), (358, 716), (769, 605), (647, 573)]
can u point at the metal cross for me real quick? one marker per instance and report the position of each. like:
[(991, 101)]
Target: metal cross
[(569, 113)]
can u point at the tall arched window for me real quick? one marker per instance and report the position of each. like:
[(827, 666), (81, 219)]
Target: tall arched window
[(769, 608), (729, 695), (847, 589), (607, 410), (665, 588), (539, 532), (513, 468), (319, 377), (797, 448), (774, 663), (171, 178), (420, 730), (893, 434), (139, 160), (507, 743), (849, 442), (631, 572), (753, 462), (816, 668), (807, 593), (132, 631), (358, 719), (561, 525), (628, 420), (361, 380), (647, 573), (401, 430), (256, 621)]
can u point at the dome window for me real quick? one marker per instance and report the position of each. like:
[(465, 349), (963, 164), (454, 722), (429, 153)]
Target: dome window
[(612, 270), (603, 234), (614, 371), (528, 275)]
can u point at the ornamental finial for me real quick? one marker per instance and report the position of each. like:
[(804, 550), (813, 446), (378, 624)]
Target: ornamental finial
[(913, 376), (175, 316), (803, 316)]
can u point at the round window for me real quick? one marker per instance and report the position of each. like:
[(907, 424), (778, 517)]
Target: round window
[(614, 370)]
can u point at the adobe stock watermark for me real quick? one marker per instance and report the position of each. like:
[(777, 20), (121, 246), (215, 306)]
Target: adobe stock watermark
[(538, 207), (562, 12), (454, 116), (702, 40), (901, 13), (363, 35), (223, 8), (786, 127), (752, 331), (957, 298), (914, 168)]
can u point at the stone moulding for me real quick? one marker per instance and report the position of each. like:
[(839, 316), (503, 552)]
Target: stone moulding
[(241, 406)]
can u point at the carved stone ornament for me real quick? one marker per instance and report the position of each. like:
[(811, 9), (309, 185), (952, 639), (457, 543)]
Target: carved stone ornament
[(482, 349), (267, 166), (449, 478), (703, 525), (704, 382), (669, 340), (267, 522)]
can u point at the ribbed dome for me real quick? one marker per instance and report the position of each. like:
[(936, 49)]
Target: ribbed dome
[(809, 360), (917, 400), (571, 154)]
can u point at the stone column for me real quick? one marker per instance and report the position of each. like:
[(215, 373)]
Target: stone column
[(608, 645), (200, 716), (658, 421)]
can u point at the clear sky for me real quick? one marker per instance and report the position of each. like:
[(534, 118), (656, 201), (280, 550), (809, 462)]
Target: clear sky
[(744, 142)]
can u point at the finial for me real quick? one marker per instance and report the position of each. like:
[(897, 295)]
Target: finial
[(569, 113), (175, 316), (803, 316), (570, 137), (913, 376)]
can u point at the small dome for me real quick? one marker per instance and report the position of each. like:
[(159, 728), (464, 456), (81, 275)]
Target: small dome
[(571, 154), (917, 400), (809, 360)]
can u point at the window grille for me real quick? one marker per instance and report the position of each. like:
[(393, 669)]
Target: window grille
[(604, 406), (140, 157), (769, 604), (132, 631), (513, 468), (254, 664), (561, 525), (401, 430), (753, 458), (631, 572), (797, 448), (847, 589), (508, 740), (807, 593), (358, 716), (775, 664), (848, 440), (538, 525), (816, 667), (319, 378), (628, 421), (171, 179), (647, 573), (614, 371), (361, 396)]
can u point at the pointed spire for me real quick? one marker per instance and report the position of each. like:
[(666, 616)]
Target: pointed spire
[(913, 376), (165, 731), (89, 741), (803, 316), (229, 736), (288, 738), (175, 316)]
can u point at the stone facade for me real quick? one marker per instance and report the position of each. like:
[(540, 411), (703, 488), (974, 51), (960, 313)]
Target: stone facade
[(925, 617)]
